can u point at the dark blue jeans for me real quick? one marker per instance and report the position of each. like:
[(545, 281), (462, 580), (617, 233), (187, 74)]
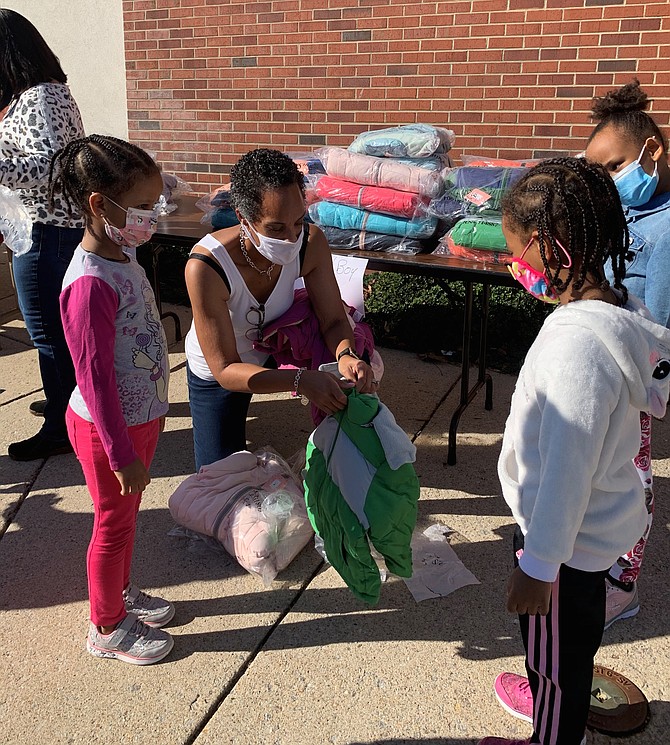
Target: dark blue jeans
[(219, 418), (38, 275)]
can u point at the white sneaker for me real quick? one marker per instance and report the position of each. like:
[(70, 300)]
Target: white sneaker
[(131, 641), (155, 612)]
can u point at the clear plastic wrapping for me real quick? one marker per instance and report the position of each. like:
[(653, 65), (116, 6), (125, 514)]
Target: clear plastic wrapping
[(173, 187), (386, 172), (250, 503), (486, 162), (372, 198), (473, 190), (350, 218), (406, 141), (364, 240), (16, 225), (477, 239)]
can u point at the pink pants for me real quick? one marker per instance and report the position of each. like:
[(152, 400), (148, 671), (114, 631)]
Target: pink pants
[(110, 551)]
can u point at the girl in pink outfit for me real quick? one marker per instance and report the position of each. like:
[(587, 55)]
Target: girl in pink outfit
[(118, 407)]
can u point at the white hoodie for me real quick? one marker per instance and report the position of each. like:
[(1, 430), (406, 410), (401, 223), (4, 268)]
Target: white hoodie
[(566, 466)]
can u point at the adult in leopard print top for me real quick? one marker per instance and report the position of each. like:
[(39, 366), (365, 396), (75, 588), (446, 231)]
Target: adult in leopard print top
[(40, 117)]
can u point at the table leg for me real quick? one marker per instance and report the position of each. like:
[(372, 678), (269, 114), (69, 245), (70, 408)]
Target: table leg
[(155, 253), (483, 378)]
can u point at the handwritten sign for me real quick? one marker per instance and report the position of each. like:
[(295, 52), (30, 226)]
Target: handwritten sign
[(349, 271)]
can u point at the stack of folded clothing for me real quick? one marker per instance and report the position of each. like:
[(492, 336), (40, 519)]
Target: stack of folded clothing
[(477, 239), (473, 190), (219, 211), (470, 211), (374, 195)]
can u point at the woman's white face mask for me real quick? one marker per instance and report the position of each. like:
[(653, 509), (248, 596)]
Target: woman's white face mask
[(275, 250)]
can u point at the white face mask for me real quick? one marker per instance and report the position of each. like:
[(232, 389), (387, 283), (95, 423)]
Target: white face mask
[(275, 250)]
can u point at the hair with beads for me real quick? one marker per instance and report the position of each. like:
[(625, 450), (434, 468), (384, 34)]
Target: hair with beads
[(624, 109), (259, 171), (25, 58), (97, 163), (575, 203)]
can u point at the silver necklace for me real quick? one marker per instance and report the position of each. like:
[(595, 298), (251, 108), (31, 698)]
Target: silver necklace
[(267, 272)]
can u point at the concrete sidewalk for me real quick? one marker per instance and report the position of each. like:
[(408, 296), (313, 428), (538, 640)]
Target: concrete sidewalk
[(302, 663)]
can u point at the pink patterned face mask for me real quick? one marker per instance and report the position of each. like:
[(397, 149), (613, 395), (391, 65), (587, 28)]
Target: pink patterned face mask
[(534, 282), (139, 228)]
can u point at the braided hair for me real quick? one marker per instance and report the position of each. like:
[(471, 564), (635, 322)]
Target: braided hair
[(97, 163), (259, 171), (574, 202), (624, 108)]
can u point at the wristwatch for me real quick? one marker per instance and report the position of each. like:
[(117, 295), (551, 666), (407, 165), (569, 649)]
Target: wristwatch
[(347, 352)]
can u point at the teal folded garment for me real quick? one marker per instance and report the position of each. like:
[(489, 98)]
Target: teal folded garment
[(349, 218)]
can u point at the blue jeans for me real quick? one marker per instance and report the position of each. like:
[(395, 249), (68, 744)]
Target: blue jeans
[(219, 418), (38, 275)]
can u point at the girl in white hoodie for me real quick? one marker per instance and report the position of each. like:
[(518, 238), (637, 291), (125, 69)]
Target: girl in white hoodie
[(566, 465)]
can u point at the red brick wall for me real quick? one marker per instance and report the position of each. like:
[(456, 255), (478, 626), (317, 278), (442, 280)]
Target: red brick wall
[(209, 80)]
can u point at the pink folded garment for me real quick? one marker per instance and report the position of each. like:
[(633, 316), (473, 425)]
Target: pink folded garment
[(372, 171), (371, 198), (251, 504)]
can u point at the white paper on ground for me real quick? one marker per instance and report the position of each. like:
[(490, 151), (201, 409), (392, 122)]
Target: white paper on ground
[(437, 570)]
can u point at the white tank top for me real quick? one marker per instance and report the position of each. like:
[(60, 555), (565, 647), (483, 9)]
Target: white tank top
[(240, 303)]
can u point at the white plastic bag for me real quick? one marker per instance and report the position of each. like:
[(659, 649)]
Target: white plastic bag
[(16, 226)]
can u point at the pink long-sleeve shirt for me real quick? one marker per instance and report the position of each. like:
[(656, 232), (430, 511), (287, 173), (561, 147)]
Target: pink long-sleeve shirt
[(118, 348)]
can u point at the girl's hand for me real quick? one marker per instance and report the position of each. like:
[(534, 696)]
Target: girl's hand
[(323, 390), (358, 372), (134, 478), (527, 595)]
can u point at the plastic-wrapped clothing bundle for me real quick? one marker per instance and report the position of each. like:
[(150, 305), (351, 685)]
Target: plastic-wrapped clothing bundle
[(361, 488), (371, 198), (252, 504), (308, 163), (486, 162), (364, 240), (433, 163), (341, 216), (472, 190), (386, 172), (477, 239), (406, 141), (16, 225)]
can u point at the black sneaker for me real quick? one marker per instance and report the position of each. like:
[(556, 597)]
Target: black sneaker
[(37, 447), (36, 408)]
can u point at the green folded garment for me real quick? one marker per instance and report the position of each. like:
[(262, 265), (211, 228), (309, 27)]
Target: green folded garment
[(479, 232)]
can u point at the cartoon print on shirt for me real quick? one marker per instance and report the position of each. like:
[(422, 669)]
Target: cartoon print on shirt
[(143, 357)]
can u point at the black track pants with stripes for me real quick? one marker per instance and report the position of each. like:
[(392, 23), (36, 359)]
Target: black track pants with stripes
[(560, 650)]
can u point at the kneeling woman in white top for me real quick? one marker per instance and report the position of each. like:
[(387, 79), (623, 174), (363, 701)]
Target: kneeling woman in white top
[(243, 279)]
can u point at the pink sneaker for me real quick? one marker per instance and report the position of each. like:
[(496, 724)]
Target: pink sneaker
[(620, 603), (513, 694), (502, 741)]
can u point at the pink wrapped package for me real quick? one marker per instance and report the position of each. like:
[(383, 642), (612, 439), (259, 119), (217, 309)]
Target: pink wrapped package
[(372, 171), (252, 505)]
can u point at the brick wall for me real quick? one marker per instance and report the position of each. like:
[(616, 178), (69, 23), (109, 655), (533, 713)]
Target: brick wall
[(208, 80)]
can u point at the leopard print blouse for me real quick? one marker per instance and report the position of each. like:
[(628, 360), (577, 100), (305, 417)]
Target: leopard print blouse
[(41, 120)]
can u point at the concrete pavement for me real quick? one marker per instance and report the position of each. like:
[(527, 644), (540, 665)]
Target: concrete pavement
[(301, 663)]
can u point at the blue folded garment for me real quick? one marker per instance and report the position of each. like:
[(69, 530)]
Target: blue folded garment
[(350, 218)]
